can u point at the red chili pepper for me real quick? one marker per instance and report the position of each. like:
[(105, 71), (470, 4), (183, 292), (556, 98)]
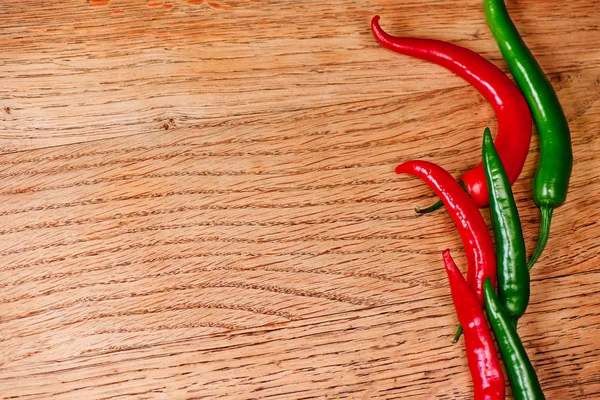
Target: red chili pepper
[(488, 379), (467, 218), (514, 118)]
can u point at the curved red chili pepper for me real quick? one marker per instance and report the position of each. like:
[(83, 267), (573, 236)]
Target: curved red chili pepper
[(467, 218), (488, 379), (514, 118)]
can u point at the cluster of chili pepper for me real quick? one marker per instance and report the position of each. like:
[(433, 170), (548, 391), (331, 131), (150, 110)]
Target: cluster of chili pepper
[(490, 183)]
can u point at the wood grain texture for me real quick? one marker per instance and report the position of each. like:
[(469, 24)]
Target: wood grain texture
[(198, 200)]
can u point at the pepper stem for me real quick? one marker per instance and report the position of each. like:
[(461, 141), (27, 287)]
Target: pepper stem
[(458, 334), (429, 209), (439, 204), (546, 219)]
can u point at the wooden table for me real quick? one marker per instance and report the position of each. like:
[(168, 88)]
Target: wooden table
[(198, 200)]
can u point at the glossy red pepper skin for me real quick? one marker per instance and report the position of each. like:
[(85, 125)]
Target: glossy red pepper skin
[(488, 379), (512, 111), (467, 218)]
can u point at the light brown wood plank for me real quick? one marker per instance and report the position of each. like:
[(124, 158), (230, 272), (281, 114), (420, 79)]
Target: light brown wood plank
[(81, 70), (198, 200), (359, 354)]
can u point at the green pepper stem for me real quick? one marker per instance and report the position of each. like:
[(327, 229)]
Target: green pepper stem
[(546, 219), (439, 204), (458, 334), (429, 209)]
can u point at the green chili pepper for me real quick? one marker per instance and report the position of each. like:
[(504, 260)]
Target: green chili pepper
[(521, 374), (556, 156), (511, 258)]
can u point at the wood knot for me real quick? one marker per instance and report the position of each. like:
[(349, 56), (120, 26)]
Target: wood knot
[(169, 124)]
